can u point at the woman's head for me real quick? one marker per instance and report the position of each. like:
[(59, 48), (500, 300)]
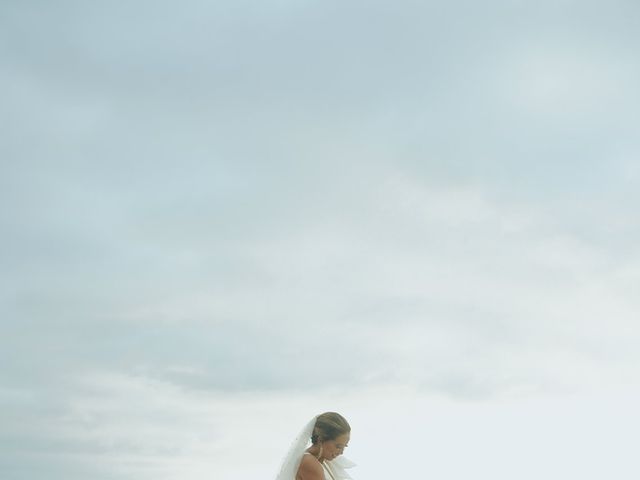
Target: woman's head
[(332, 432)]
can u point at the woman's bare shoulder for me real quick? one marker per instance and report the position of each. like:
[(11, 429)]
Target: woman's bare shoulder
[(310, 469)]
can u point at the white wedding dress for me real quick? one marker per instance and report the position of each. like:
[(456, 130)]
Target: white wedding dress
[(333, 469)]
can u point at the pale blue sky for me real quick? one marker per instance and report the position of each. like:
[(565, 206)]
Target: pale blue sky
[(218, 214)]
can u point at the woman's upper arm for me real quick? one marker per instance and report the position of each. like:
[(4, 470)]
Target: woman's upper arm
[(310, 469)]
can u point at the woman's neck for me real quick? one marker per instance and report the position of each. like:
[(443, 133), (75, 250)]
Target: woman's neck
[(316, 451)]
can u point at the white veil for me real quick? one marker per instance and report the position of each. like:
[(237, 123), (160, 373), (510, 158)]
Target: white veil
[(292, 461)]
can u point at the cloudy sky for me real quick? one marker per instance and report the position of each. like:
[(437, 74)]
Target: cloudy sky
[(223, 217)]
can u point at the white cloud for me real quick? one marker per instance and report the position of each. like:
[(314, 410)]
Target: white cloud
[(132, 427), (567, 84)]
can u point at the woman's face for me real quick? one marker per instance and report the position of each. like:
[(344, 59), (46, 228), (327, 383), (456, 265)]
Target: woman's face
[(333, 448)]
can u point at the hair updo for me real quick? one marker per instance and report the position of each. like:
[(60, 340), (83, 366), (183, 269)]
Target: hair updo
[(329, 426)]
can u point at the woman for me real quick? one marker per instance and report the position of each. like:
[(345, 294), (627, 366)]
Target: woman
[(329, 434)]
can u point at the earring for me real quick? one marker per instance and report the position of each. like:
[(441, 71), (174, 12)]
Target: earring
[(320, 453)]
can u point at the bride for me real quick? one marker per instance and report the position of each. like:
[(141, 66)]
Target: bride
[(329, 434)]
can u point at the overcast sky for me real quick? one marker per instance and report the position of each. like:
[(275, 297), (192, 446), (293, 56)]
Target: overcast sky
[(221, 218)]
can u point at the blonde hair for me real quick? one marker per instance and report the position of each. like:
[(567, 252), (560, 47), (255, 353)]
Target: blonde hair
[(329, 426)]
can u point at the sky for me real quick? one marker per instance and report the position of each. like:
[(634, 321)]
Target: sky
[(222, 218)]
